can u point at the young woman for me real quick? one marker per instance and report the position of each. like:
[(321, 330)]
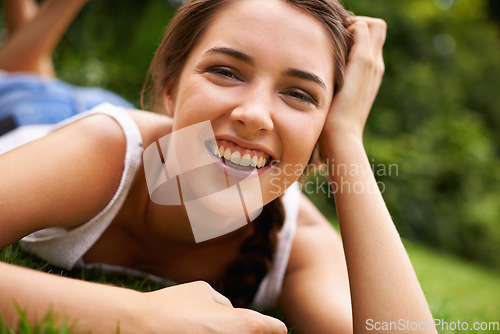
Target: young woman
[(275, 78)]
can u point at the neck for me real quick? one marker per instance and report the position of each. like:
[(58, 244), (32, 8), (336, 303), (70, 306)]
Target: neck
[(171, 223), (168, 223)]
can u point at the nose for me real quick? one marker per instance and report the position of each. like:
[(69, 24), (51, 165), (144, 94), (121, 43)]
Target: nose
[(253, 115)]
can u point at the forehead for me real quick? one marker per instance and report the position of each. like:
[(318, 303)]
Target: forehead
[(262, 28)]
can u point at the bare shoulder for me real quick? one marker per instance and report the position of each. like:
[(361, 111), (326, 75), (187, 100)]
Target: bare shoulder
[(316, 241), (309, 215), (69, 175), (87, 157), (151, 125)]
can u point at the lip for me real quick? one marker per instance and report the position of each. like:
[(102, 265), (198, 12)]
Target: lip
[(247, 145), (233, 172)]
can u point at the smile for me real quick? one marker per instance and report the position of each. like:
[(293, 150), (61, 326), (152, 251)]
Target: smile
[(238, 157)]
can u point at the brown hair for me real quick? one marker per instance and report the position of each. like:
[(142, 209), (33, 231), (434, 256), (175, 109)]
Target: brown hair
[(244, 275)]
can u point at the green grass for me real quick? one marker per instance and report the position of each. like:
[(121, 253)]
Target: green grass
[(455, 289), (46, 326)]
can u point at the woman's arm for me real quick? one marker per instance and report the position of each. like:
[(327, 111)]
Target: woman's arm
[(315, 296), (383, 285), (91, 307), (377, 271), (63, 179)]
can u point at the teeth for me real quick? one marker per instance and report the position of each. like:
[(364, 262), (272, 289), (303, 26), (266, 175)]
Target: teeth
[(254, 161), (245, 160), (236, 158), (215, 150), (227, 154), (259, 162)]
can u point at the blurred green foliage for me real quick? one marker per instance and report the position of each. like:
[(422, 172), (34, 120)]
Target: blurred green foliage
[(437, 116), (111, 43)]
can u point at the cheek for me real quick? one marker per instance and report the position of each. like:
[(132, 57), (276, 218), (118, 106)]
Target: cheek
[(201, 101), (192, 106), (299, 136), (302, 134)]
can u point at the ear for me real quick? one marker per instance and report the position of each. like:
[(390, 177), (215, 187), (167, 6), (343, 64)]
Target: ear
[(168, 97)]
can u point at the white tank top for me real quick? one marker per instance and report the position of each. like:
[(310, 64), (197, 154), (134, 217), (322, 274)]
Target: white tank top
[(65, 248)]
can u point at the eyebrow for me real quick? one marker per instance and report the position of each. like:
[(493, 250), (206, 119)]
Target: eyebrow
[(291, 72), (233, 53), (296, 73)]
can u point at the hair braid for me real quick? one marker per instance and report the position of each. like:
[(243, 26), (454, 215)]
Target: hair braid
[(243, 275)]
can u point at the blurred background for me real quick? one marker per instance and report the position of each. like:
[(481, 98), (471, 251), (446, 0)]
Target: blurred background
[(433, 136)]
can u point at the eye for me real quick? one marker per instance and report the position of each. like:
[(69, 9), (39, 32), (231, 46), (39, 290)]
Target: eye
[(224, 72), (302, 97)]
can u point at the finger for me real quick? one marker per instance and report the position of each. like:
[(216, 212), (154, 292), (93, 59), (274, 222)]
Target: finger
[(365, 63), (362, 61), (378, 32), (361, 40), (221, 299), (373, 22), (205, 289), (275, 326), (262, 323)]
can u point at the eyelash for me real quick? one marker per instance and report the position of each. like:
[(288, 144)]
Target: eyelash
[(302, 97), (223, 72), (229, 74)]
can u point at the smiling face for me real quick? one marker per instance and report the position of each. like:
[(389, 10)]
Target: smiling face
[(263, 75)]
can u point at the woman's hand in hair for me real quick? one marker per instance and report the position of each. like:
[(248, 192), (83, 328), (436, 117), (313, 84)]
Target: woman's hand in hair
[(363, 76), (197, 308), (374, 253)]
